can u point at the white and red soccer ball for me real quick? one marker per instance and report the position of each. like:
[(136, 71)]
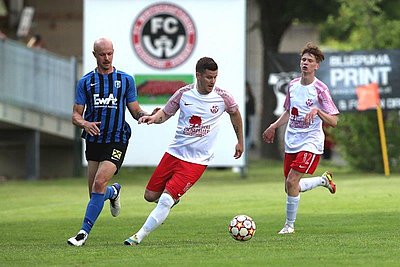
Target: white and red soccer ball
[(242, 227)]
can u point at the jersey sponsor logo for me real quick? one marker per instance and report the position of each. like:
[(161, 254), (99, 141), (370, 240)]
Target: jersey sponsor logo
[(298, 124), (195, 128), (294, 112), (105, 102), (195, 121), (295, 120), (116, 154), (163, 36)]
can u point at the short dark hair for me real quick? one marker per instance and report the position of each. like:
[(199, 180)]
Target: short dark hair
[(312, 49), (206, 63)]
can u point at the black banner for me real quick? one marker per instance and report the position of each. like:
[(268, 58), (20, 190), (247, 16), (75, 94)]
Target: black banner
[(342, 72)]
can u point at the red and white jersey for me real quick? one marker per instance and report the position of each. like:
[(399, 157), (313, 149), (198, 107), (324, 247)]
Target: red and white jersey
[(300, 100), (198, 123)]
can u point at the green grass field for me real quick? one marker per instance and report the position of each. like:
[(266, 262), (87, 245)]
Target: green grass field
[(358, 226)]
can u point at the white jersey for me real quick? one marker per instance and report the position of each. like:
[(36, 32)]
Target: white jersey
[(300, 100), (198, 123)]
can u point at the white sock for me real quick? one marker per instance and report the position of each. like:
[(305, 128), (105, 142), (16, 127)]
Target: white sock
[(157, 216), (292, 204), (307, 184)]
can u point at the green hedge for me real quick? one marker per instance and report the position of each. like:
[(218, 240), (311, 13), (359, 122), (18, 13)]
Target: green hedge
[(358, 141)]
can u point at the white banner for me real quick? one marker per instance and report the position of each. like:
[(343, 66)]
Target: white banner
[(160, 43)]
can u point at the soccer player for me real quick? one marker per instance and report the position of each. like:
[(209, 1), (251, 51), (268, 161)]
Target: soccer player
[(105, 92), (201, 106), (307, 106)]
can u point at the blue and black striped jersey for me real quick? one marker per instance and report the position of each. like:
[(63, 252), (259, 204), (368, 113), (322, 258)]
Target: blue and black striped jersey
[(105, 97)]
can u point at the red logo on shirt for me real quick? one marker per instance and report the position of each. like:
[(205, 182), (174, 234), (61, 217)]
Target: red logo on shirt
[(195, 128), (295, 112), (195, 121), (295, 122)]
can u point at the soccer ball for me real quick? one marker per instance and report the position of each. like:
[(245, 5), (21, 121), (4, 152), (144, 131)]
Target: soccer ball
[(242, 227)]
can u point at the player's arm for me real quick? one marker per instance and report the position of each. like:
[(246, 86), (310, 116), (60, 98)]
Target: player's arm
[(237, 123), (159, 117), (326, 103), (78, 120), (136, 111), (269, 133), (328, 119)]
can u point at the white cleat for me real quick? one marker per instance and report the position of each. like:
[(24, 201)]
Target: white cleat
[(78, 240), (115, 204), (287, 229)]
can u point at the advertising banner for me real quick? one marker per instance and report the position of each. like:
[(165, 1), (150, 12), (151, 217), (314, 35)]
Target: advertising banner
[(343, 72), (159, 43)]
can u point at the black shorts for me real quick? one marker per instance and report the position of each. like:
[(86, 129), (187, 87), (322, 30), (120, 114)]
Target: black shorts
[(114, 152)]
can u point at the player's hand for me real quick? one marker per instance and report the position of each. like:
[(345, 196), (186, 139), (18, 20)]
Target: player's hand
[(92, 127), (155, 111), (269, 135), (310, 117), (238, 151), (146, 119)]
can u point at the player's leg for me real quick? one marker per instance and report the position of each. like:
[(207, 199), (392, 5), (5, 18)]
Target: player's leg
[(153, 192), (111, 191), (94, 207), (81, 237), (104, 173), (152, 196), (295, 166), (95, 153), (307, 164), (292, 200), (115, 153), (185, 175), (155, 219), (91, 173), (325, 180), (163, 172)]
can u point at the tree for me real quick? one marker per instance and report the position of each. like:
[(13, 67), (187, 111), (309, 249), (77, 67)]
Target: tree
[(275, 19), (365, 25)]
